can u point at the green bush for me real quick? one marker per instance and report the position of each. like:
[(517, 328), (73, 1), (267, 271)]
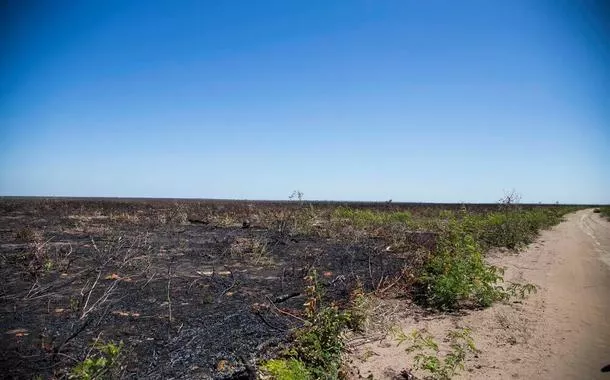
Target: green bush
[(286, 369), (510, 228), (457, 275)]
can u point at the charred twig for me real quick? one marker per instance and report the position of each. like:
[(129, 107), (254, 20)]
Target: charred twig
[(148, 281), (381, 291), (284, 312), (285, 297), (371, 271), (364, 340), (47, 289), (381, 278), (102, 299), (230, 286), (57, 350), (169, 298), (267, 323)]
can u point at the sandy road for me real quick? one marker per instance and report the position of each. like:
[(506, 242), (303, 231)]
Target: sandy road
[(561, 332)]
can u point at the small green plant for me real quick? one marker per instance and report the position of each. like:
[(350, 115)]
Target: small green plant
[(515, 290), (103, 364), (605, 211), (286, 369), (48, 265), (428, 353), (74, 304)]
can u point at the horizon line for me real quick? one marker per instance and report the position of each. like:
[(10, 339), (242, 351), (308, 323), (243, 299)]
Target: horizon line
[(330, 201)]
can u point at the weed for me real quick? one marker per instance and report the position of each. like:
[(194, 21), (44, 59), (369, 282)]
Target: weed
[(260, 249), (177, 214), (286, 369), (104, 363), (124, 217), (318, 346), (48, 265), (521, 291), (428, 354), (371, 218), (26, 235), (295, 221), (256, 248), (74, 304)]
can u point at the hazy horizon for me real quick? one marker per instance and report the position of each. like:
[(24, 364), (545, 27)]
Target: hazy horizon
[(364, 101)]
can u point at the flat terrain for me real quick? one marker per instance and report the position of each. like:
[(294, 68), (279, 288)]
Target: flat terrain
[(211, 289), (561, 332), (189, 291)]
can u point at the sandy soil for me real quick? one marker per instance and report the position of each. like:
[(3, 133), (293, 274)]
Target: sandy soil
[(561, 332)]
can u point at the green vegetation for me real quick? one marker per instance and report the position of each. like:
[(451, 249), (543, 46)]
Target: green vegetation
[(318, 346), (457, 274), (453, 275), (104, 363), (427, 352), (365, 218), (511, 228), (286, 369)]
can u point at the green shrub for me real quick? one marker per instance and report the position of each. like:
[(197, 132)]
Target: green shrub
[(510, 228), (605, 211), (457, 275)]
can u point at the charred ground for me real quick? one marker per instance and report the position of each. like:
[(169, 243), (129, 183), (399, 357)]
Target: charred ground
[(193, 289)]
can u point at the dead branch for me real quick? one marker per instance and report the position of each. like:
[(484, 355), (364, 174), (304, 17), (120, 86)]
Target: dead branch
[(284, 312), (101, 300)]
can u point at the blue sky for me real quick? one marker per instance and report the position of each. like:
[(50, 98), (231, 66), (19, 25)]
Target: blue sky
[(437, 101)]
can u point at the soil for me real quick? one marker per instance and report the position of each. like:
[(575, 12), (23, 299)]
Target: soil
[(561, 332)]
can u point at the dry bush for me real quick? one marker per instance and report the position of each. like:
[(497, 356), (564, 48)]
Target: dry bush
[(27, 235)]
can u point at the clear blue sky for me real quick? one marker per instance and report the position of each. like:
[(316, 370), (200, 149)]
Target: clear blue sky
[(347, 100)]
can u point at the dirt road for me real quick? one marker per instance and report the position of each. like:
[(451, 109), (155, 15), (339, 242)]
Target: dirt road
[(561, 332)]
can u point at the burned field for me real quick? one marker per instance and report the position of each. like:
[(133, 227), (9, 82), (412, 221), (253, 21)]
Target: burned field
[(215, 289), (192, 289)]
